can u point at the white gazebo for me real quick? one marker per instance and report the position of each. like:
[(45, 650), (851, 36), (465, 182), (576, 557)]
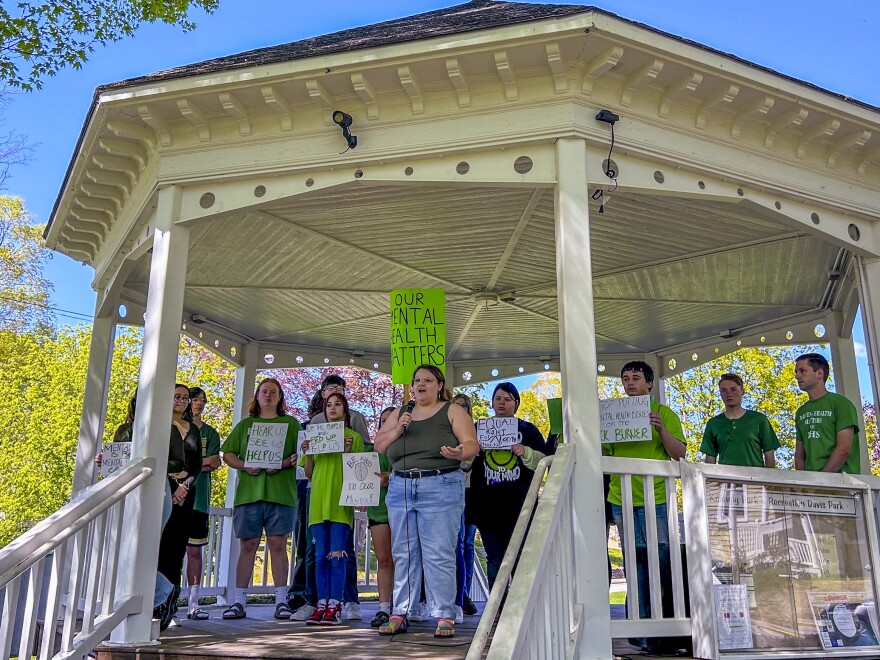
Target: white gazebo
[(739, 207)]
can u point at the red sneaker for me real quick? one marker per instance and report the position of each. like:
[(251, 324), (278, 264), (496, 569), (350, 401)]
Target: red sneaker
[(332, 615), (317, 616)]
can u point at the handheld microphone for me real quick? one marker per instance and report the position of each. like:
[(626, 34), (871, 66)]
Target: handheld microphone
[(409, 406)]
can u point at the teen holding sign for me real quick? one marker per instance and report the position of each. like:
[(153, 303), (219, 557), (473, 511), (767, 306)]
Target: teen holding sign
[(329, 522), (500, 478), (265, 498)]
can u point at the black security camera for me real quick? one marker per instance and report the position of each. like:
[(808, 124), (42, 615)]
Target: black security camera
[(343, 120)]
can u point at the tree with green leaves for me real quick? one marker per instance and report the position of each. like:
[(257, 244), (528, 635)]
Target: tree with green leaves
[(24, 291), (38, 39)]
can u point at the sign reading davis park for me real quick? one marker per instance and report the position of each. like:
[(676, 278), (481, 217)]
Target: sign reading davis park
[(418, 332)]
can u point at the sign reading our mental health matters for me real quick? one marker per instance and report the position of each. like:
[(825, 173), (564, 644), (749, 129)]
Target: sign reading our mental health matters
[(265, 445), (114, 457), (418, 331), (327, 438), (497, 432), (627, 419), (360, 483)]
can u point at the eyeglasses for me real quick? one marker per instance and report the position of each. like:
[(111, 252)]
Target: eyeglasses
[(334, 388), (182, 399)]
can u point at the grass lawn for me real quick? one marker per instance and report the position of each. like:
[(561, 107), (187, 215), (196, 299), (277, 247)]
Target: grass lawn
[(616, 557), (617, 597)]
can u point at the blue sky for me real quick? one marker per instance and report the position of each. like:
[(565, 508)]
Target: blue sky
[(826, 44)]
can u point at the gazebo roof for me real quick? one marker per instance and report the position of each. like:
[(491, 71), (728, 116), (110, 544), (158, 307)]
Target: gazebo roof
[(741, 197)]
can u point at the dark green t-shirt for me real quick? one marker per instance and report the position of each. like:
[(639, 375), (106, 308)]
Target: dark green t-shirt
[(279, 487), (817, 424), (740, 441), (210, 446), (379, 513)]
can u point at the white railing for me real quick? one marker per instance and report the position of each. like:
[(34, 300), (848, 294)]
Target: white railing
[(81, 543), (541, 618)]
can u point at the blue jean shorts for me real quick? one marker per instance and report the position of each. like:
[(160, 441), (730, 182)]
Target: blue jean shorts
[(249, 520)]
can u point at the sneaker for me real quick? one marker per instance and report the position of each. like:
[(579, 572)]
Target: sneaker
[(380, 619), (421, 613), (459, 615), (332, 615), (352, 611), (304, 613), (175, 596), (295, 602), (317, 616), (468, 607)]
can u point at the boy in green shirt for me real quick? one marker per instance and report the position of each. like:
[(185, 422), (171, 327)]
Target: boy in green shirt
[(827, 424), (738, 436)]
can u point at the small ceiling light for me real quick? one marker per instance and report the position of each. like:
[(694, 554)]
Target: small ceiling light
[(343, 120)]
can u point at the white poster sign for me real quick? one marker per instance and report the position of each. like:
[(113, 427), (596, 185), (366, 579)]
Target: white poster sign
[(300, 470), (360, 480), (114, 457), (732, 617), (626, 419), (497, 432), (328, 438), (265, 447)]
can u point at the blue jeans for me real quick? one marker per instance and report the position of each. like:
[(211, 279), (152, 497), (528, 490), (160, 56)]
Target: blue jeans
[(425, 519), (642, 578), (460, 566), (469, 534), (330, 571)]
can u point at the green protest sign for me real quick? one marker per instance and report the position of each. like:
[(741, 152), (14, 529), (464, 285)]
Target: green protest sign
[(418, 331)]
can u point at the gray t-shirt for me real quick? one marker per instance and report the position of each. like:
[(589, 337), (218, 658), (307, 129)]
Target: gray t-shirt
[(358, 423)]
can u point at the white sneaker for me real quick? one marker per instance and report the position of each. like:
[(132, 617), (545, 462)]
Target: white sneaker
[(421, 613), (459, 615), (351, 612), (303, 613)]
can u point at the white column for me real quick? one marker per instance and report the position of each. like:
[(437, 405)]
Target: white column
[(245, 378), (94, 410), (577, 344), (152, 423), (659, 390)]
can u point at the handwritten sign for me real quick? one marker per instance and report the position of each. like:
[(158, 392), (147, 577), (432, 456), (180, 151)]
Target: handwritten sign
[(497, 432), (265, 447), (114, 457), (626, 419), (418, 331), (300, 470), (360, 485), (328, 438)]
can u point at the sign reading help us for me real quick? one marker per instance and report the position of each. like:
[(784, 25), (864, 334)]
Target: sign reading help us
[(360, 480), (497, 432), (626, 419), (114, 457), (418, 331), (327, 438), (265, 447)]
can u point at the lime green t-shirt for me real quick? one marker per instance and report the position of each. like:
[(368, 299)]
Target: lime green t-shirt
[(652, 449), (817, 424), (279, 487), (740, 441), (379, 513), (210, 447), (327, 485)]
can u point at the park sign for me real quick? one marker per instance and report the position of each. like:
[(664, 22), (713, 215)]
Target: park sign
[(418, 332), (627, 419)]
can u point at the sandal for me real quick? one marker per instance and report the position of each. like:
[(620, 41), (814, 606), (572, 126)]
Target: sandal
[(445, 628), (396, 624), (234, 611), (283, 611), (198, 614)]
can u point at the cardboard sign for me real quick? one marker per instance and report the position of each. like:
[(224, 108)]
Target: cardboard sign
[(625, 420), (418, 332), (327, 438), (265, 447), (497, 432), (554, 412), (300, 470), (360, 485), (114, 457)]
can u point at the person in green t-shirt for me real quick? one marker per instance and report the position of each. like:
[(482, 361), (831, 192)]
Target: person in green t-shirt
[(738, 436), (198, 534), (265, 498), (827, 424), (329, 522), (667, 442)]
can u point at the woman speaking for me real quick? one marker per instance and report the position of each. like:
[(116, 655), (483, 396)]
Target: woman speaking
[(425, 497)]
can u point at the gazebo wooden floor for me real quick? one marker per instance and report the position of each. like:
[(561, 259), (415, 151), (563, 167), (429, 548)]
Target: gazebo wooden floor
[(261, 636)]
